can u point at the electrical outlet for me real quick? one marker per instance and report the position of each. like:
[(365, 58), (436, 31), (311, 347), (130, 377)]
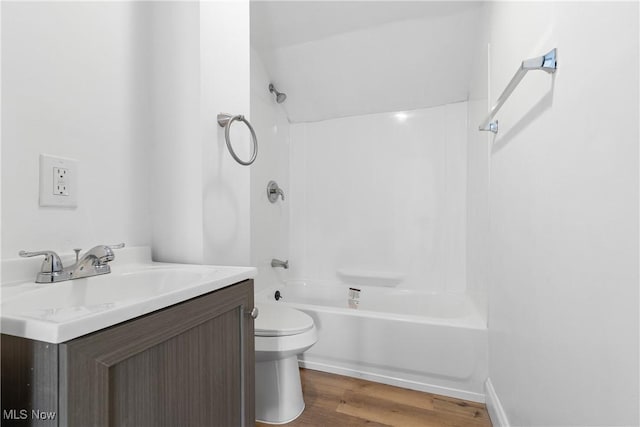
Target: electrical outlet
[(58, 181)]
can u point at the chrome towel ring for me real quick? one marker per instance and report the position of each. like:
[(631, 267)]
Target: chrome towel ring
[(225, 121)]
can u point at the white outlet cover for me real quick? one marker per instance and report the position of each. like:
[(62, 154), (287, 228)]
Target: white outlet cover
[(48, 181)]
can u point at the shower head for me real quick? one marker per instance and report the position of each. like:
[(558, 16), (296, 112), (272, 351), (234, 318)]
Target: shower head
[(280, 97)]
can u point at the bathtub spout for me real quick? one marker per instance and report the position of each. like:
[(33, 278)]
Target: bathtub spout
[(277, 263)]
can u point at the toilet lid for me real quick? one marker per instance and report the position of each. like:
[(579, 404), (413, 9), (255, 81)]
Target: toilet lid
[(278, 320)]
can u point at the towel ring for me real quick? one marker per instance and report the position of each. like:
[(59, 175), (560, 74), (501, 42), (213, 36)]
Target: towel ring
[(225, 121)]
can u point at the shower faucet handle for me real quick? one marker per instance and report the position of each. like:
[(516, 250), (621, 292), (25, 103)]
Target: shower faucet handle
[(273, 191)]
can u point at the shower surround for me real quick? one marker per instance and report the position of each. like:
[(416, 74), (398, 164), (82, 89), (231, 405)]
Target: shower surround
[(381, 195), (378, 203)]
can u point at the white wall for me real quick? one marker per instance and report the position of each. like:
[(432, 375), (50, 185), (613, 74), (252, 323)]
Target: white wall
[(269, 221), (73, 85), (131, 90), (200, 67), (225, 78), (563, 198), (173, 46), (383, 194)]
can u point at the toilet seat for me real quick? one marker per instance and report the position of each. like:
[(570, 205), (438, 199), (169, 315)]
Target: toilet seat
[(278, 321)]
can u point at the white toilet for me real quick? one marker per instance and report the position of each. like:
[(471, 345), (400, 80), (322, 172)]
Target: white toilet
[(281, 333)]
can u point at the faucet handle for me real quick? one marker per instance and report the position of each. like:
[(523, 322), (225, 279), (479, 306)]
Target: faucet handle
[(51, 263), (273, 191), (118, 246)]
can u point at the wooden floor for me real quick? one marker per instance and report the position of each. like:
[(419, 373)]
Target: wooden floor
[(334, 400)]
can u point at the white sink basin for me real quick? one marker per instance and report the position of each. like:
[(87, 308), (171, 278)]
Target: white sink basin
[(62, 311)]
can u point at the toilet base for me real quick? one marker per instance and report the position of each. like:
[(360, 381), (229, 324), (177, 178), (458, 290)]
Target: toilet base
[(278, 391)]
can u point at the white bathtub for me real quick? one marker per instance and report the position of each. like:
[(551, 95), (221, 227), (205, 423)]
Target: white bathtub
[(433, 342)]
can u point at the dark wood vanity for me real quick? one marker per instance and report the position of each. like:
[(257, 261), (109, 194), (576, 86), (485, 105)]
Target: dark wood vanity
[(190, 364)]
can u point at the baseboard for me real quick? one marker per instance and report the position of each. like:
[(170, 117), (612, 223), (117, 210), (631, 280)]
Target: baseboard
[(398, 382), (494, 407)]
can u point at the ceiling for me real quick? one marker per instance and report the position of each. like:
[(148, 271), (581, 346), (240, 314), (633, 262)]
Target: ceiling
[(343, 58), (276, 24)]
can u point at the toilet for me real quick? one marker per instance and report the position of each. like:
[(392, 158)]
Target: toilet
[(281, 333)]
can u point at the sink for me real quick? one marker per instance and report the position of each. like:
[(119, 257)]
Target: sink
[(62, 311)]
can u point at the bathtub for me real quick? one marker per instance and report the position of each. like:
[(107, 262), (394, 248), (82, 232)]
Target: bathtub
[(433, 342)]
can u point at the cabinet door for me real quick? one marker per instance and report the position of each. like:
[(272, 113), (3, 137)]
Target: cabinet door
[(191, 364)]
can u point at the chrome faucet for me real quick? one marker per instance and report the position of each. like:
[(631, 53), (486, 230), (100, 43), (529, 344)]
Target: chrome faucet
[(92, 263), (278, 263)]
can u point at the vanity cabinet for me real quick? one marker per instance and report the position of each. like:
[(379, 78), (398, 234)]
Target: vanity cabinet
[(191, 364)]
